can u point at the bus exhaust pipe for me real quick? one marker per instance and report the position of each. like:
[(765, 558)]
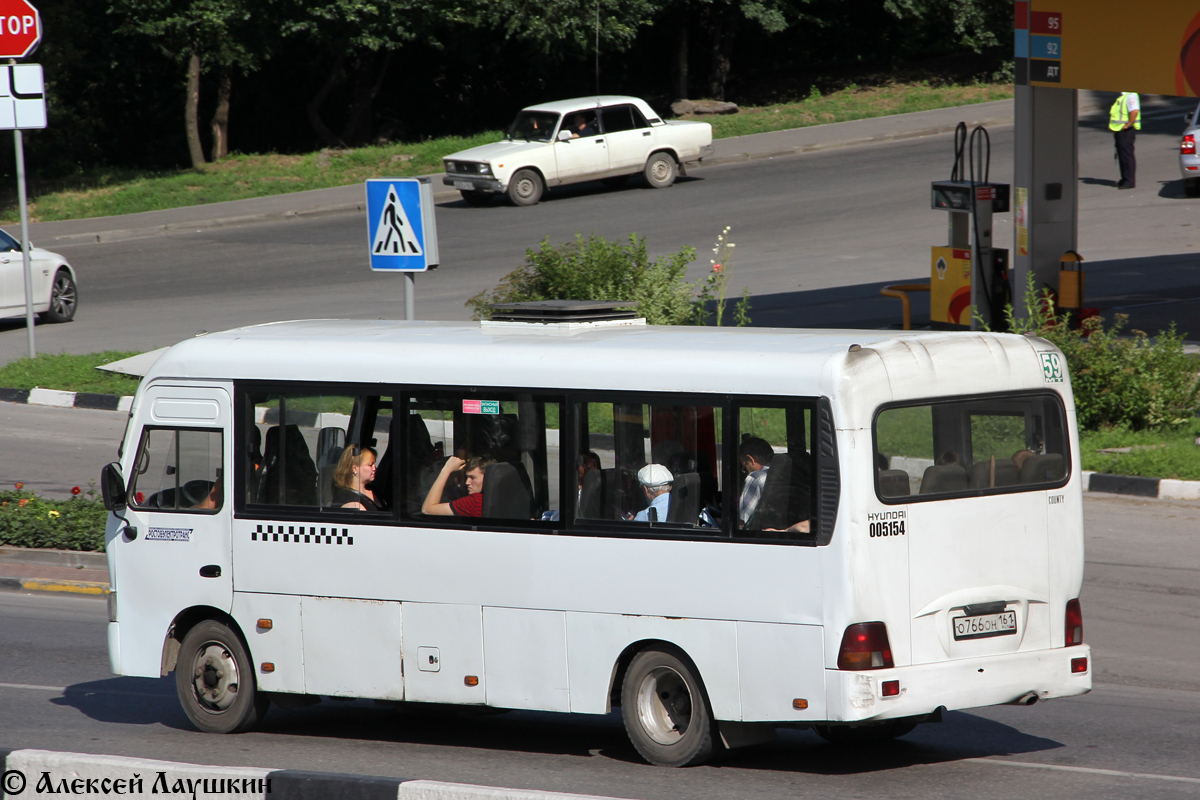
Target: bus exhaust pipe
[(1027, 699)]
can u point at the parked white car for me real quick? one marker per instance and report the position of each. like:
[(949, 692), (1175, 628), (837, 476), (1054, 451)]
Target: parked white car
[(1189, 158), (54, 294), (604, 138)]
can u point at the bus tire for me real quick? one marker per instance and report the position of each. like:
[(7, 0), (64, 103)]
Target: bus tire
[(666, 713), (865, 734), (214, 678), (525, 188)]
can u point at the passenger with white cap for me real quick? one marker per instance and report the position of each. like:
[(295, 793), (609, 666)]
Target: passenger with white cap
[(656, 482)]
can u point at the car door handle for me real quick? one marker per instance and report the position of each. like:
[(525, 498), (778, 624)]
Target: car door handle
[(645, 133), (210, 571), (599, 141)]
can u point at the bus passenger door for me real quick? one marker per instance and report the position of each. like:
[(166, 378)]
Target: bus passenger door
[(176, 553)]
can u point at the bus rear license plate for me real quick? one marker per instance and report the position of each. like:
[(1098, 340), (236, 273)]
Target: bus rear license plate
[(464, 185), (980, 627)]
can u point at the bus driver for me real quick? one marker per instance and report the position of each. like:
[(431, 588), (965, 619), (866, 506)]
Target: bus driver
[(469, 506)]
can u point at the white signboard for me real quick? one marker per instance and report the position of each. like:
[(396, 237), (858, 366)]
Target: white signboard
[(22, 97)]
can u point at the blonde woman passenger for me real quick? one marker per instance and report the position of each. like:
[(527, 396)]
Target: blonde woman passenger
[(355, 469)]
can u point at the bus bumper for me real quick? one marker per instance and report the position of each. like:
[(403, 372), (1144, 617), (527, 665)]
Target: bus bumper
[(966, 683), (114, 647)]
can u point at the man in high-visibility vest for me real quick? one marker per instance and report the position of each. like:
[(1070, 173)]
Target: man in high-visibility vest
[(1124, 118)]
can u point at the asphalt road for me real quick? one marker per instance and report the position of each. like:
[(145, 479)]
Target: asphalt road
[(817, 235), (1133, 736)]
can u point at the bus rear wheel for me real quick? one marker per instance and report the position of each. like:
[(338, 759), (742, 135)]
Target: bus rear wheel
[(865, 734), (665, 711), (214, 679)]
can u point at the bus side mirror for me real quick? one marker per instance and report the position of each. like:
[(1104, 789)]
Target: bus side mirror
[(112, 487)]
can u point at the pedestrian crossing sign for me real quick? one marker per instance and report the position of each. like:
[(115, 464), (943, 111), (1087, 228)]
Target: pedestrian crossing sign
[(401, 231)]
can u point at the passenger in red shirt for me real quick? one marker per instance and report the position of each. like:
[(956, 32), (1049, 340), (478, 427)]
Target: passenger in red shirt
[(469, 506)]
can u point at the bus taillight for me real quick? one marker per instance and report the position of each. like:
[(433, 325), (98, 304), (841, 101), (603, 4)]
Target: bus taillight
[(1074, 623), (865, 646)]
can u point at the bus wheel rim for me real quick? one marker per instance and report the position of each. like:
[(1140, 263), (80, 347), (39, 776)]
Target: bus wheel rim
[(215, 677), (664, 705)]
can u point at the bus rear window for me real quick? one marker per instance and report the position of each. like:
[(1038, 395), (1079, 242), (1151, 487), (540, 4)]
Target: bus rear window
[(972, 446)]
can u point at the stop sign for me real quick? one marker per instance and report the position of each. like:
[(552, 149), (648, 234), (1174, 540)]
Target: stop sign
[(20, 28)]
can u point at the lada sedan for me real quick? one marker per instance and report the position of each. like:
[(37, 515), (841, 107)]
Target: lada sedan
[(1189, 159), (54, 294), (605, 138)]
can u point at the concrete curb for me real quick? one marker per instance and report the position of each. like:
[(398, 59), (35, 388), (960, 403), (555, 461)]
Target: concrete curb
[(1155, 488), (47, 585), (59, 399), (39, 773)]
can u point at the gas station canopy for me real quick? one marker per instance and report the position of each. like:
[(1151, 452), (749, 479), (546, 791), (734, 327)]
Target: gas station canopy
[(1149, 47)]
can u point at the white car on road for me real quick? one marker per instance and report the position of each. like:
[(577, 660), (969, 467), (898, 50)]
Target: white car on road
[(1189, 157), (589, 138), (54, 294)]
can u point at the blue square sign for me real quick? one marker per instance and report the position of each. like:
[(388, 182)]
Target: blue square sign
[(400, 228)]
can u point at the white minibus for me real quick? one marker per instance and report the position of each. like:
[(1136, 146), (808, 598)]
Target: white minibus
[(848, 531)]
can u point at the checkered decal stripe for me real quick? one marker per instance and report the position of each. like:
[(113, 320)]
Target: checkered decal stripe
[(301, 534)]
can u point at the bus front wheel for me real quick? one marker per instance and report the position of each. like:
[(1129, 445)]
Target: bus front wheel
[(214, 678), (665, 711)]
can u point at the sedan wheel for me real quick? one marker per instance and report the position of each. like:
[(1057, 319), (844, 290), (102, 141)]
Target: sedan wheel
[(64, 298), (525, 188), (661, 170)]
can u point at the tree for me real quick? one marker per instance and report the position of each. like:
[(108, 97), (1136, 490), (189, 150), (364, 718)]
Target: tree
[(196, 33), (568, 27), (359, 36), (978, 24), (719, 21)]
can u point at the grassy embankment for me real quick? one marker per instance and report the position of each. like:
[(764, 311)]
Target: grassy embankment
[(110, 192)]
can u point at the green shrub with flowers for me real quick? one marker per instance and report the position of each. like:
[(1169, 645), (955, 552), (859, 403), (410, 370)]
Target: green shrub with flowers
[(27, 520), (597, 269)]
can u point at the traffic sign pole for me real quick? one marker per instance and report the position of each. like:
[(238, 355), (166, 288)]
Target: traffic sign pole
[(410, 296), (20, 35), (20, 145)]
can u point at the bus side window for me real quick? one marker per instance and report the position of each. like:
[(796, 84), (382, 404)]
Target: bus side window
[(481, 454), (291, 444), (179, 469), (614, 441), (775, 460)]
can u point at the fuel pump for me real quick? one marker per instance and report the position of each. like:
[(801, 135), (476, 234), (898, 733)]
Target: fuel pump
[(969, 273)]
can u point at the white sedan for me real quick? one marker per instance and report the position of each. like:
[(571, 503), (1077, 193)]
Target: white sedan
[(605, 138), (55, 296), (1189, 158)]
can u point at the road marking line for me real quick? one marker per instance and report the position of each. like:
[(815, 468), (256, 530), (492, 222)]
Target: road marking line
[(32, 686), (1087, 770)]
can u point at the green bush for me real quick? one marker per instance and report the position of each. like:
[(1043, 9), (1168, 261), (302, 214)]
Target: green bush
[(597, 269), (1130, 382), (27, 520)]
